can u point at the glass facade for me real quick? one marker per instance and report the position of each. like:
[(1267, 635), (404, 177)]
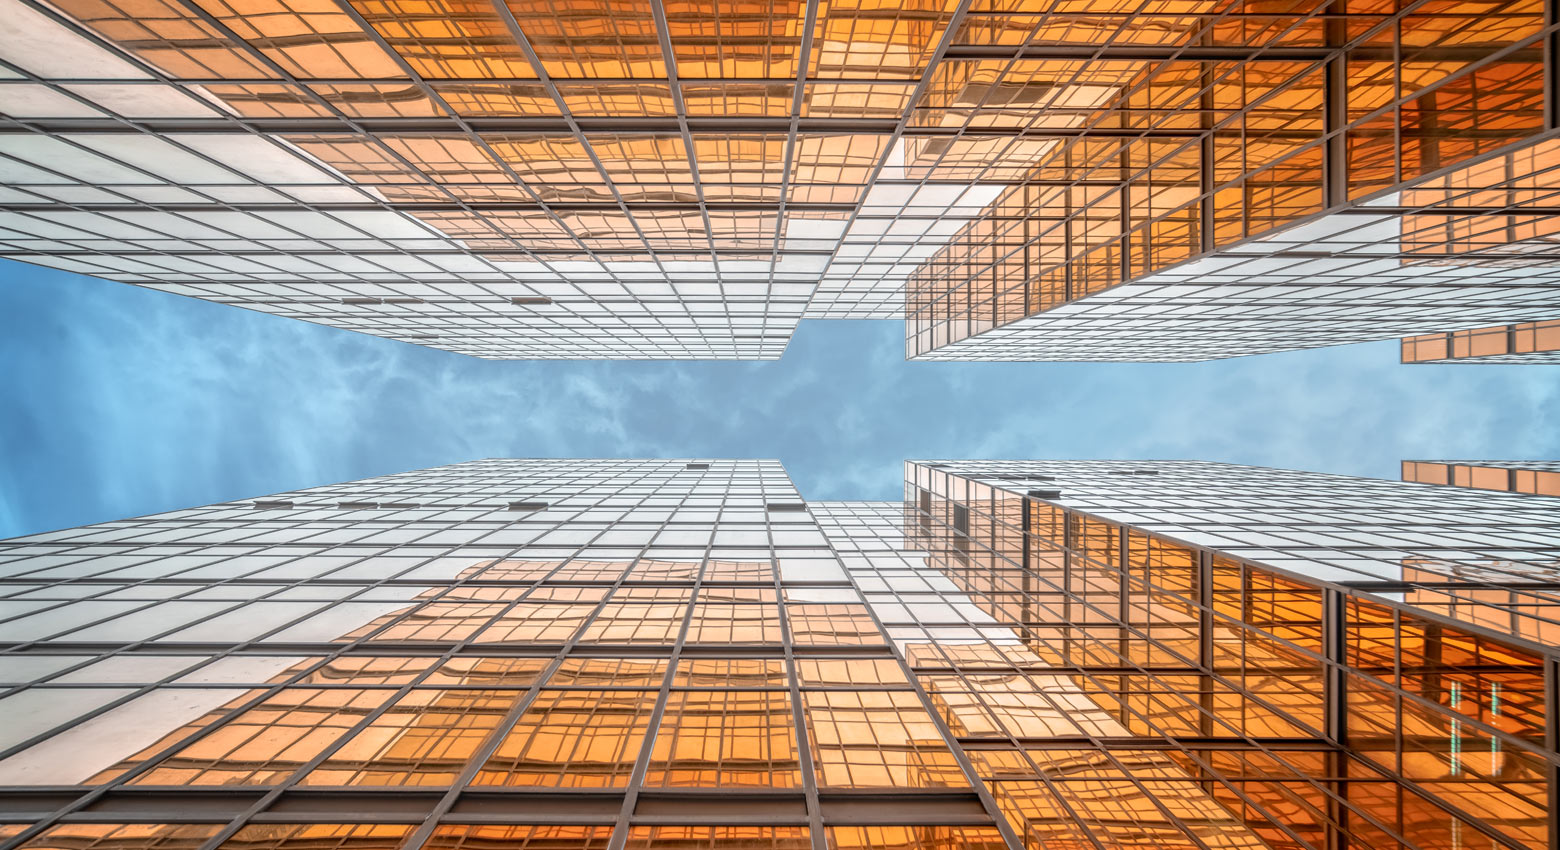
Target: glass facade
[(685, 654), (1249, 178), (1020, 179), (1528, 343), (1538, 477), (1321, 661)]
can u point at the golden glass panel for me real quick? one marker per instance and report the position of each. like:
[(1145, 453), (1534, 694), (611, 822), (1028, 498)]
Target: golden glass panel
[(572, 739), (832, 624), (463, 837), (743, 39), (604, 571), (537, 622), (915, 838), (307, 38), (425, 738), (490, 671), (448, 39), (636, 623), (593, 39), (618, 100), (366, 670), (716, 622), (772, 100), (654, 570), (494, 100), (850, 672), (718, 838), (726, 739), (665, 595), (110, 836), (718, 593), (748, 571), (870, 40), (379, 101), (695, 672), (318, 836), (609, 673), (877, 739)]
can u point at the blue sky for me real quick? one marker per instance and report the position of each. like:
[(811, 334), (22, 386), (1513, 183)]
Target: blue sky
[(118, 401)]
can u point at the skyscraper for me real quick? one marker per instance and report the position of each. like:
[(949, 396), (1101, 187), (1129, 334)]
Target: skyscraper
[(1539, 477), (659, 654), (650, 179), (1525, 343)]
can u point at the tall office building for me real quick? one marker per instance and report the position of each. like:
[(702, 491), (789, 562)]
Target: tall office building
[(1538, 477), (1525, 343), (1019, 179), (685, 654)]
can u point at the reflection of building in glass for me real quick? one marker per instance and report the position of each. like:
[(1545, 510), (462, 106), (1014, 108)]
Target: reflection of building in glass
[(1540, 477), (1529, 342), (672, 654), (642, 178)]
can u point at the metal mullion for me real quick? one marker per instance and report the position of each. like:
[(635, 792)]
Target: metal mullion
[(495, 738), (636, 777), (669, 58), (971, 775), (799, 720), (798, 97)]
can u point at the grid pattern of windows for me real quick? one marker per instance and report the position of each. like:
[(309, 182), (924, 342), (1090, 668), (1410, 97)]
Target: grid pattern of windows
[(1233, 177), (1326, 661), (1528, 343), (520, 653), (1538, 477)]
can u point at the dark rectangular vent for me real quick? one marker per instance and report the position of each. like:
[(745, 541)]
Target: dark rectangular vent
[(787, 507), (1045, 494), (361, 299), (528, 506), (527, 300), (400, 301), (1035, 476), (399, 505), (357, 506), (272, 504), (698, 466)]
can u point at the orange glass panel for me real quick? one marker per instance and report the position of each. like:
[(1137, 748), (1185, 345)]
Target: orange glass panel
[(572, 739), (726, 739)]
